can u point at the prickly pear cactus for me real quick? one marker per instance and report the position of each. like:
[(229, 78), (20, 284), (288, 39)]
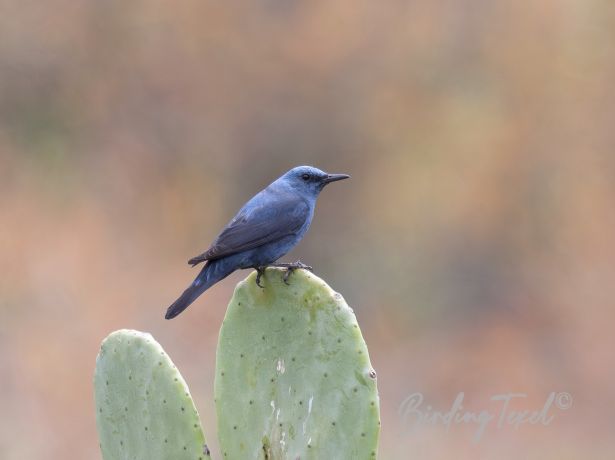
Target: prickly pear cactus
[(143, 406), (293, 376)]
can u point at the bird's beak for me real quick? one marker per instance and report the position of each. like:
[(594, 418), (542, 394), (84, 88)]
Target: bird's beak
[(335, 177)]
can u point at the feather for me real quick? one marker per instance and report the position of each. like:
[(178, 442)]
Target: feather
[(258, 223)]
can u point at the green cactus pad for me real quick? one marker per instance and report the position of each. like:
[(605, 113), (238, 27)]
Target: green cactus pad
[(143, 407), (293, 376)]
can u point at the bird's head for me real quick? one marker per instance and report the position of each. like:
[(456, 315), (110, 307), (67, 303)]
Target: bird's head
[(310, 180)]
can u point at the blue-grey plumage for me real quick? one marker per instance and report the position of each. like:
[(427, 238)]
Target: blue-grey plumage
[(265, 229)]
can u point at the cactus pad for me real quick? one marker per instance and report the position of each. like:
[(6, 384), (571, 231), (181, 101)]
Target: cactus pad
[(293, 376), (143, 406)]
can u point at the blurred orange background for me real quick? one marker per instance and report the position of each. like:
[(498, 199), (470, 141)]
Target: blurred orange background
[(474, 240)]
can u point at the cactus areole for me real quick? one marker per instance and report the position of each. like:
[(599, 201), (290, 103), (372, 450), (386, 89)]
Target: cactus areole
[(293, 376), (293, 381), (143, 407)]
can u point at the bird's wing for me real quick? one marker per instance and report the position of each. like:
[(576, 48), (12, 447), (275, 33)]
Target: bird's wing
[(259, 222)]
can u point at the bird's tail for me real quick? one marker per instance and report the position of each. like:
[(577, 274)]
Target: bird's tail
[(209, 275)]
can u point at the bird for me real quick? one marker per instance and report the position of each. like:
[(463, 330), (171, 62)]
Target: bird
[(267, 227)]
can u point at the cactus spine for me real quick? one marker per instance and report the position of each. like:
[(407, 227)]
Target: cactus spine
[(143, 407), (293, 376)]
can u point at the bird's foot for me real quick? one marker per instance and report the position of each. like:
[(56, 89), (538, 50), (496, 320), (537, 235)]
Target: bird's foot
[(291, 268), (260, 271), (303, 266)]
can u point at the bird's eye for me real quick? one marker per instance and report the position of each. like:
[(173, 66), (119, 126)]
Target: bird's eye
[(305, 176)]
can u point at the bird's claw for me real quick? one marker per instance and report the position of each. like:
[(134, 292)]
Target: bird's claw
[(300, 264), (287, 273), (259, 272), (291, 268)]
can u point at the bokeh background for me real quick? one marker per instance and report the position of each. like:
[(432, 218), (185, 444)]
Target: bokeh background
[(474, 240)]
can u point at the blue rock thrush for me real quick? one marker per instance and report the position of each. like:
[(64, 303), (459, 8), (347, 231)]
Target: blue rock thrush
[(266, 228)]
